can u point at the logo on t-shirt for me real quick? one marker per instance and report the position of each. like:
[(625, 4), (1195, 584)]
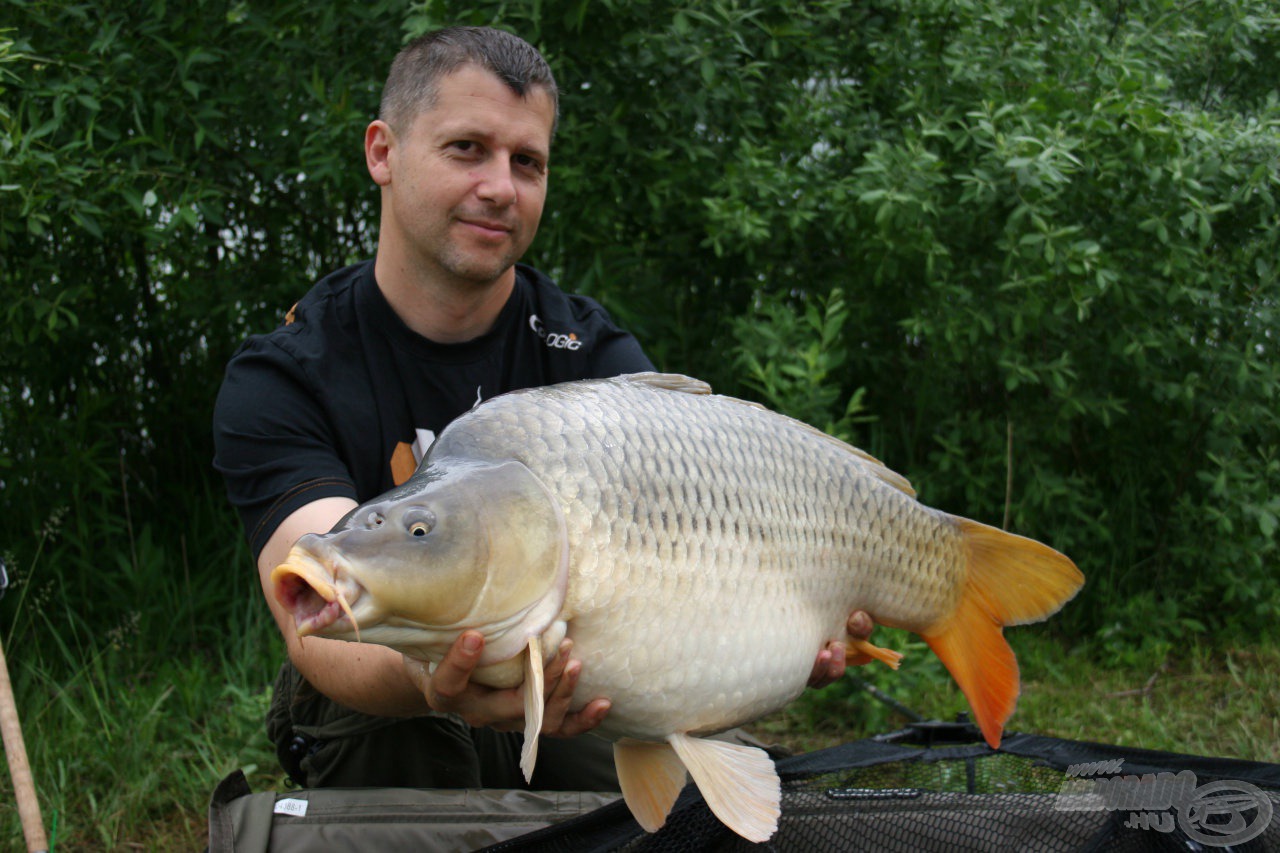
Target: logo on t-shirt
[(405, 458), (555, 340)]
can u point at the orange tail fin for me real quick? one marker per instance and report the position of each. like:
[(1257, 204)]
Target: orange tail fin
[(1012, 580)]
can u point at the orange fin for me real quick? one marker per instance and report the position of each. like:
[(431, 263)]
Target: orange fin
[(651, 776), (858, 652), (1011, 580)]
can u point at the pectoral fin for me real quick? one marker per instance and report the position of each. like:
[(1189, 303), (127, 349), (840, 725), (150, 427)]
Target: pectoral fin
[(738, 782), (859, 652), (534, 702), (651, 776)]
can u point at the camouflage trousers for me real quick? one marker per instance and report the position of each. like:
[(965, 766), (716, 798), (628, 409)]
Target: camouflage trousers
[(321, 744)]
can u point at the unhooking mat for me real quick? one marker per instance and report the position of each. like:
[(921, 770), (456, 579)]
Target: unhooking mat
[(930, 787)]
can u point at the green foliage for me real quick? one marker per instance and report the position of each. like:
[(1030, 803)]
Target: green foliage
[(1095, 218), (173, 178), (795, 360), (136, 701)]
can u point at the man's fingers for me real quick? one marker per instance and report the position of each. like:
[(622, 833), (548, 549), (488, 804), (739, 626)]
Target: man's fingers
[(453, 674), (835, 669), (860, 625), (419, 673), (829, 666), (583, 721), (555, 668), (559, 697), (449, 689)]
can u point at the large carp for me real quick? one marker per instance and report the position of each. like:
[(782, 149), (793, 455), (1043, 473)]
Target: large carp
[(699, 551)]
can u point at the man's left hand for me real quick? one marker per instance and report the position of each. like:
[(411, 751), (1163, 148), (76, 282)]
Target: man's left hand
[(831, 662)]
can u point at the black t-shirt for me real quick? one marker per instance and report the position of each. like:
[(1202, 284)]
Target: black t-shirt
[(343, 399)]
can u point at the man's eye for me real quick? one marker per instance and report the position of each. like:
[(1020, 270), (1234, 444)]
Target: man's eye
[(464, 145), (531, 163)]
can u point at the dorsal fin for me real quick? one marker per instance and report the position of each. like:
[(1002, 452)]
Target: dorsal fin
[(879, 470), (668, 382), (874, 466), (689, 385)]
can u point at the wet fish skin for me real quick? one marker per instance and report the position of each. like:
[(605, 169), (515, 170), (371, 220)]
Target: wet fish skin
[(685, 510)]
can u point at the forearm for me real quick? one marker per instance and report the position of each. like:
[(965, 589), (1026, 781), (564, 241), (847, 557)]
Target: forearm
[(361, 676)]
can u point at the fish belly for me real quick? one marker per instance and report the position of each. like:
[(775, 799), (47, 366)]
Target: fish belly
[(693, 664)]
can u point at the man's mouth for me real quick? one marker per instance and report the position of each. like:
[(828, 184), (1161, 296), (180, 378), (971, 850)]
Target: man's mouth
[(488, 227)]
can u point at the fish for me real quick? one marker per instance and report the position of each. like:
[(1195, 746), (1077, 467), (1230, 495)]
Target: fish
[(699, 551)]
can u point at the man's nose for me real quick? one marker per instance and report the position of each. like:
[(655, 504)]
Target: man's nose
[(497, 184)]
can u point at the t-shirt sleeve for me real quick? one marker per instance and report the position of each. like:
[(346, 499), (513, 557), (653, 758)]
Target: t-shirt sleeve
[(617, 353), (272, 442)]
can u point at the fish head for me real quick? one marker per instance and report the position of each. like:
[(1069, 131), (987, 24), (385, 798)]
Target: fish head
[(461, 545)]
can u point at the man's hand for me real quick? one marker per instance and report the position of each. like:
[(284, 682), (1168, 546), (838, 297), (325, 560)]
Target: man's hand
[(450, 690), (831, 660)]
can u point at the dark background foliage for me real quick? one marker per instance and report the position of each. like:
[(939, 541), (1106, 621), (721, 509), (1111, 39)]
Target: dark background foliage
[(1025, 253)]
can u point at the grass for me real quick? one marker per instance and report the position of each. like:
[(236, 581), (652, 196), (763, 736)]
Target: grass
[(1202, 698), (127, 749), (139, 686)]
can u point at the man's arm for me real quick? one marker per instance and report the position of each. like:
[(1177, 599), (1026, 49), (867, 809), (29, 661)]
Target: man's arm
[(377, 680)]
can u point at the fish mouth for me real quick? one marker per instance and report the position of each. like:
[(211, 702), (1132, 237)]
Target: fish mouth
[(315, 595)]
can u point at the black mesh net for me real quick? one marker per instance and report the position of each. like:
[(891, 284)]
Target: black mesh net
[(937, 787)]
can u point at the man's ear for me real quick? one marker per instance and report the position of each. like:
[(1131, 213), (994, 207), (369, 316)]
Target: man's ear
[(378, 141)]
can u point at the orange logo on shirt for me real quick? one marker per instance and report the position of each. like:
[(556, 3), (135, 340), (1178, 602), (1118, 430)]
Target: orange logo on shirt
[(402, 462)]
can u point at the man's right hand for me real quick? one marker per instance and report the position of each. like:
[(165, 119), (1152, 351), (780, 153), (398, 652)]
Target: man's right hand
[(450, 690)]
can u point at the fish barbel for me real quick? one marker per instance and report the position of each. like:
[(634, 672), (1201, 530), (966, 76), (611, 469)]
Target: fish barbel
[(699, 551)]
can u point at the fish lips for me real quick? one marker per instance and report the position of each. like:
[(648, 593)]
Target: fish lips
[(316, 591)]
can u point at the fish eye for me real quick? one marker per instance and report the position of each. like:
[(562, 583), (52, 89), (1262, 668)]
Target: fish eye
[(419, 521), (375, 519)]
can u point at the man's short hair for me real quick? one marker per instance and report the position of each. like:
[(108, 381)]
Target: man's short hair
[(413, 82)]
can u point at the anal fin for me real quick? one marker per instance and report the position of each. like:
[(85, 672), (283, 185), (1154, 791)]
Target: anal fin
[(651, 776), (534, 703), (739, 783)]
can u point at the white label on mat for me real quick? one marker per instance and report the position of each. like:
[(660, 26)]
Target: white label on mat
[(297, 808)]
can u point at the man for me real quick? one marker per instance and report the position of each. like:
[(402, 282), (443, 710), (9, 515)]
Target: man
[(338, 405)]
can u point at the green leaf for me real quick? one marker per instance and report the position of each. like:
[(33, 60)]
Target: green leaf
[(708, 71)]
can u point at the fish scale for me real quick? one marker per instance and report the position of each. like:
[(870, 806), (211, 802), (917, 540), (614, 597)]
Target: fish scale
[(698, 550)]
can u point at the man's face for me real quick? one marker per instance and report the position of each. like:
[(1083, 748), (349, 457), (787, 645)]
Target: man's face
[(468, 177)]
